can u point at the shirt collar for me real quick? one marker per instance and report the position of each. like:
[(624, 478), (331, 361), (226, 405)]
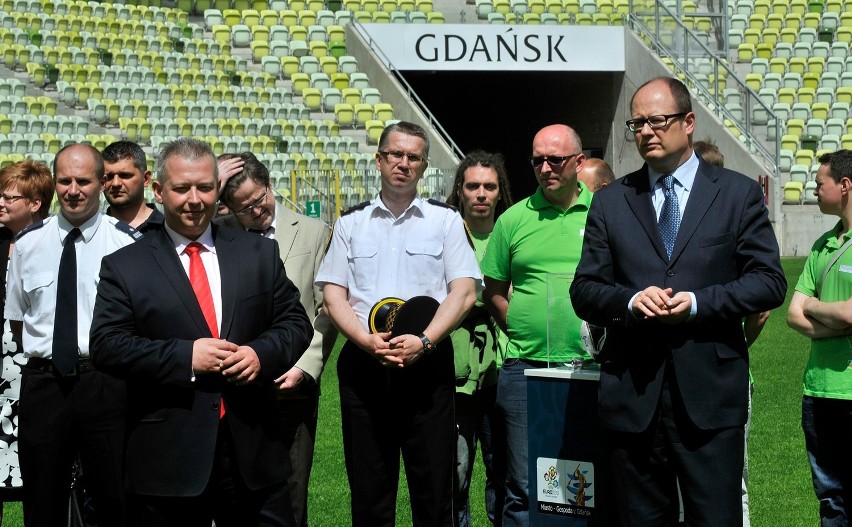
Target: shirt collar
[(181, 241), (268, 232), (685, 174), (418, 204), (837, 241), (539, 202), (87, 229)]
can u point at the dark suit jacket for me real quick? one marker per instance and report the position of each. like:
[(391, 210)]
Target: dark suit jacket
[(725, 253), (302, 242), (145, 322)]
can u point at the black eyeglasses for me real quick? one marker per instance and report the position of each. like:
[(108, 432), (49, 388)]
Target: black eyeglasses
[(553, 161), (654, 121), (395, 156), (256, 204)]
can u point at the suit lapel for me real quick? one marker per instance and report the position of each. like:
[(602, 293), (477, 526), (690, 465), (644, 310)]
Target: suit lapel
[(229, 271), (640, 203), (163, 252), (701, 196), (286, 228)]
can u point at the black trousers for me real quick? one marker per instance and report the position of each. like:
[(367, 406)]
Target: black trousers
[(59, 419), (226, 499), (390, 411), (647, 467)]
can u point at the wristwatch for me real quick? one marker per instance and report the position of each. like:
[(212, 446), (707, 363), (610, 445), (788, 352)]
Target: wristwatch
[(428, 345)]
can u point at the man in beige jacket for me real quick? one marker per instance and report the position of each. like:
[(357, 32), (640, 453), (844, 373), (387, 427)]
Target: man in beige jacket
[(247, 192)]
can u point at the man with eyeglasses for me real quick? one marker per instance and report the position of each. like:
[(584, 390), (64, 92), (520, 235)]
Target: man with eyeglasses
[(396, 394), (675, 255), (126, 176), (301, 242), (537, 236)]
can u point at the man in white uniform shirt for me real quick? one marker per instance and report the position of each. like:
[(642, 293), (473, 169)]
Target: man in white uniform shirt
[(396, 394), (67, 408)]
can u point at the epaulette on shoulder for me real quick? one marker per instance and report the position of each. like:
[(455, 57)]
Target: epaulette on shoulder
[(34, 226), (441, 204), (355, 208), (127, 229)]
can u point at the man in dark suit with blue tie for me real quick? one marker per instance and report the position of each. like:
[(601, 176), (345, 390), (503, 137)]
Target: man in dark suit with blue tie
[(200, 331), (674, 256)]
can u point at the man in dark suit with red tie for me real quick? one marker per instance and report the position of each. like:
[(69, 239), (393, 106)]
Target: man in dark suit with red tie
[(674, 256), (200, 332)]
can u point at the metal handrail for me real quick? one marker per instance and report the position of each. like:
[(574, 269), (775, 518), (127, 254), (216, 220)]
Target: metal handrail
[(681, 61), (409, 90)]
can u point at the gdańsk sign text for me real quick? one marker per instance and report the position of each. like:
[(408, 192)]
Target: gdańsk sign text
[(499, 47)]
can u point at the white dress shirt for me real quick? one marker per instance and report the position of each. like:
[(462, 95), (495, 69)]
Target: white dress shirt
[(376, 255), (34, 272), (208, 258)]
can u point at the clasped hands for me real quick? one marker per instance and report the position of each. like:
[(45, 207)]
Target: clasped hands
[(238, 364), (658, 303), (396, 352)]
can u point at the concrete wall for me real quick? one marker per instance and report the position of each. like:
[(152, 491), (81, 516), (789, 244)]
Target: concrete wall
[(802, 225)]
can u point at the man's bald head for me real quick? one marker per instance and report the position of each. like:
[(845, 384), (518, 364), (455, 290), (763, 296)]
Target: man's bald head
[(596, 173)]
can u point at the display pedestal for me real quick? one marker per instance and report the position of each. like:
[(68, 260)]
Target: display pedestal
[(567, 471)]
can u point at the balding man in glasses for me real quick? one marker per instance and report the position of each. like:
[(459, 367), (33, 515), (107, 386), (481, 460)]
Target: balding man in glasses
[(540, 235), (676, 254)]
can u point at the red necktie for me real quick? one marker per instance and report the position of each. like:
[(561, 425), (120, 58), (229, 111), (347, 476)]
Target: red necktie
[(201, 287)]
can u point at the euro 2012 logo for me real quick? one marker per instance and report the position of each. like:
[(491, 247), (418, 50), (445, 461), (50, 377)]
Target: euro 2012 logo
[(551, 477)]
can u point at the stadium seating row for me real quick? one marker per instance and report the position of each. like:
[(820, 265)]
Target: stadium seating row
[(564, 19), (106, 11), (783, 7), (56, 124), (309, 17), (554, 7)]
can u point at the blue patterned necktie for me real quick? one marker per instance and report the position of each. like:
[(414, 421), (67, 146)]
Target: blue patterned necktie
[(669, 221)]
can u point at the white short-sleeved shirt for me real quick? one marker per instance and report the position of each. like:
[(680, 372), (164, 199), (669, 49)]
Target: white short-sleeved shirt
[(375, 255), (34, 269)]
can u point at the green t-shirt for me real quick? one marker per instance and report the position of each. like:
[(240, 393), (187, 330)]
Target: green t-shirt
[(530, 240), (478, 342), (480, 243), (829, 370)]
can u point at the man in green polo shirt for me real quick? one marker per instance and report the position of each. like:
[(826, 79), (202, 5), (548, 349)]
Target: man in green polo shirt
[(539, 235), (822, 309)]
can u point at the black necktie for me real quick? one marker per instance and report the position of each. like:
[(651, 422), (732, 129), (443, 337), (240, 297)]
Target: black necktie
[(65, 353)]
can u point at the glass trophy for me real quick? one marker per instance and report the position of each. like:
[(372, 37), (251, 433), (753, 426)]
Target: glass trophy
[(564, 342)]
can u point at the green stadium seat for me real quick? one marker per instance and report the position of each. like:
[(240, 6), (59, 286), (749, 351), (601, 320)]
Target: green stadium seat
[(793, 192)]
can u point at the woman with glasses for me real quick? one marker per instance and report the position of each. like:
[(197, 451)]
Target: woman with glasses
[(26, 190)]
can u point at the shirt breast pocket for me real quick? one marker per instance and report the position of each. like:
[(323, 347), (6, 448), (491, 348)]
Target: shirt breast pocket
[(364, 263), (423, 262), (37, 289)]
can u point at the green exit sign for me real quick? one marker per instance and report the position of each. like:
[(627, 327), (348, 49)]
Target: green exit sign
[(312, 209)]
